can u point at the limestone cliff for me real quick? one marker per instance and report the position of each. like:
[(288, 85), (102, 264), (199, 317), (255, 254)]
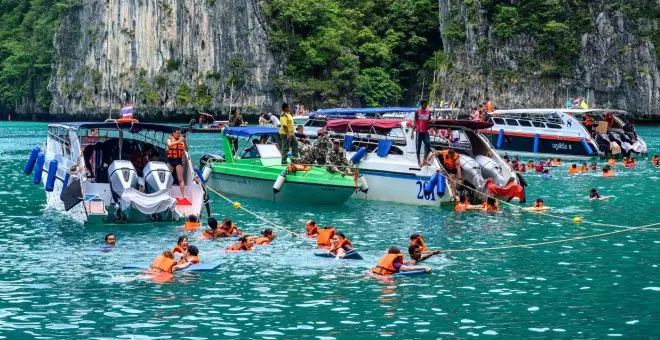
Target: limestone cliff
[(615, 63), (172, 54)]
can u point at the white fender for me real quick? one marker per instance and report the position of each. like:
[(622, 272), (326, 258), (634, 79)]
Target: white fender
[(279, 182), (207, 173)]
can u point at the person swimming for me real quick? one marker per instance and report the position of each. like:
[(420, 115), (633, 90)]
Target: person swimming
[(612, 160), (631, 163), (418, 239), (539, 166), (593, 194), (607, 171), (181, 247), (212, 232), (325, 236), (267, 236), (546, 174), (311, 228), (656, 160), (393, 262), (165, 263), (229, 228), (243, 244), (539, 203), (192, 223), (530, 164), (464, 205), (584, 167), (594, 166), (340, 245), (415, 252), (491, 205), (191, 255), (573, 169)]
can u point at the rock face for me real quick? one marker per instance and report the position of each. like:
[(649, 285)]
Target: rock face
[(172, 54), (616, 68)]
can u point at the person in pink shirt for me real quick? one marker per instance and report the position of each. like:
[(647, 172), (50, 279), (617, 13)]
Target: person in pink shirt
[(476, 115), (421, 125)]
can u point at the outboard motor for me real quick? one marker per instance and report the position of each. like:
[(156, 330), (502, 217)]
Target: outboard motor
[(122, 175), (491, 169), (471, 171), (157, 176)]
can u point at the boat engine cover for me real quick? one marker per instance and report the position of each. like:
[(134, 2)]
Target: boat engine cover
[(157, 176), (122, 176), (491, 169)]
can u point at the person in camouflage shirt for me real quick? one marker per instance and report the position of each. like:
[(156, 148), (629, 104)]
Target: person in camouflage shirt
[(306, 153), (336, 160), (321, 148)]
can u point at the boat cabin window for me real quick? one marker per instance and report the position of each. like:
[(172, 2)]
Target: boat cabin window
[(525, 123), (553, 126), (538, 124), (316, 123), (512, 122), (268, 151), (396, 133), (498, 121)]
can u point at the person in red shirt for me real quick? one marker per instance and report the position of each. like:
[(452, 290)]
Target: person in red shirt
[(421, 125)]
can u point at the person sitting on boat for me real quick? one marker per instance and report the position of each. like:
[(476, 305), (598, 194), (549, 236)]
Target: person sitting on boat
[(609, 118), (311, 228), (262, 119), (420, 126), (393, 262), (322, 147), (272, 120), (165, 263), (464, 205), (229, 229), (656, 160), (191, 255), (607, 171), (251, 150), (267, 236), (415, 252), (489, 106), (588, 122), (584, 167), (324, 236), (573, 169), (192, 223), (336, 160), (242, 244), (181, 247), (593, 194), (300, 131), (306, 152), (175, 149), (450, 160), (418, 239), (476, 115)]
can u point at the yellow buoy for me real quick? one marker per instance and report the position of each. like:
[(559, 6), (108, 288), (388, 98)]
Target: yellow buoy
[(577, 219), (237, 205)]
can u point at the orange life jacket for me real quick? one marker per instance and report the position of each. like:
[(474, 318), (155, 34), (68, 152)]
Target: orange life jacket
[(175, 151), (233, 230), (460, 206), (325, 235), (584, 168), (385, 265), (492, 207), (420, 241), (573, 170), (162, 264), (588, 121), (341, 244), (530, 166), (239, 246), (449, 162), (178, 249), (489, 107), (189, 258), (191, 226), (312, 230), (655, 161), (262, 240)]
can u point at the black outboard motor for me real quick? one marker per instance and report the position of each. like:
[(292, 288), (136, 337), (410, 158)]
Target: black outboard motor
[(210, 157)]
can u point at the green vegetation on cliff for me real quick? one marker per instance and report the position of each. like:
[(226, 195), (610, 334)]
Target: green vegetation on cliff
[(27, 28)]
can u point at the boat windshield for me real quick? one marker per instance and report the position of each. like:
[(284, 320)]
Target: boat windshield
[(254, 146)]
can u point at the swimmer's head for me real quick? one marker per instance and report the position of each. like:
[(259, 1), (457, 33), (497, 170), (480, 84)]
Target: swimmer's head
[(192, 250), (267, 232), (192, 218), (213, 223), (415, 251), (168, 254), (183, 241), (394, 250), (463, 199)]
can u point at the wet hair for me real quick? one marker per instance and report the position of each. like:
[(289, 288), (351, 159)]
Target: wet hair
[(168, 254), (530, 161), (539, 200), (243, 238), (267, 232), (463, 198), (451, 152), (192, 218), (573, 165), (412, 248), (181, 238), (285, 106), (607, 168), (593, 190), (192, 250), (213, 223), (583, 163), (311, 222), (414, 236), (175, 130), (491, 201), (226, 222), (340, 234), (394, 250), (546, 171), (299, 127), (329, 227), (108, 236)]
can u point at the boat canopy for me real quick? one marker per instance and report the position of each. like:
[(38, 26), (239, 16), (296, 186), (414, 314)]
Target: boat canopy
[(363, 125), (133, 127), (250, 131), (460, 123), (366, 111)]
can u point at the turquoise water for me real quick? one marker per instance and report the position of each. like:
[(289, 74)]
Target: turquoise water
[(56, 284)]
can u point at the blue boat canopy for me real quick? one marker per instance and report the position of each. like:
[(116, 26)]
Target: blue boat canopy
[(250, 131), (367, 111)]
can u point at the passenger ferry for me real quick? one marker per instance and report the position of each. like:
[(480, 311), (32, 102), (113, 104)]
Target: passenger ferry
[(543, 133), (114, 172), (620, 132)]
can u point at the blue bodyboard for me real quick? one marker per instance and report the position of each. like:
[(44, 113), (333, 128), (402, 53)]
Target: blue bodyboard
[(198, 267), (351, 255), (410, 273)]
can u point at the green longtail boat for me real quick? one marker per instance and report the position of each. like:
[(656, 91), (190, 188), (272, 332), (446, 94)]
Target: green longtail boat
[(252, 168)]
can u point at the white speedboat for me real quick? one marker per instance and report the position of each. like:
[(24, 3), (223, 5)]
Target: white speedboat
[(114, 172), (389, 164), (540, 133)]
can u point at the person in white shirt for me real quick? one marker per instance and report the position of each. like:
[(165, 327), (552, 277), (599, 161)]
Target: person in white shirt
[(273, 120)]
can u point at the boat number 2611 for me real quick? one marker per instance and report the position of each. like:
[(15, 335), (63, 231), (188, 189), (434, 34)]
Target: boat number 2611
[(421, 195)]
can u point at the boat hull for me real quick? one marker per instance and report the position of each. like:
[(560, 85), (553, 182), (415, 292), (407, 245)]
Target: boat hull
[(399, 188), (291, 192), (523, 145)]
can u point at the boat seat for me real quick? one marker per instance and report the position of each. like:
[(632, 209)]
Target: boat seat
[(384, 147), (348, 142)]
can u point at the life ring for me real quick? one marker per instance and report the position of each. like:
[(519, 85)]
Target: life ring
[(75, 166)]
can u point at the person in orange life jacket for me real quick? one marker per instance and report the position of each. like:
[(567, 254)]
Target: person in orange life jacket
[(311, 228), (242, 244), (191, 255), (340, 245), (418, 239), (324, 237), (489, 106), (229, 228), (607, 171), (393, 262), (491, 205), (656, 160), (588, 122), (165, 263), (267, 236), (181, 247), (573, 169), (450, 160), (464, 205), (421, 127), (584, 167), (176, 146), (415, 252), (212, 232), (192, 223), (612, 160), (530, 164)]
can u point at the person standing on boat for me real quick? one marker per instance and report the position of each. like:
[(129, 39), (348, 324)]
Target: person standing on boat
[(588, 122), (287, 137), (176, 145), (235, 119), (450, 160), (421, 125)]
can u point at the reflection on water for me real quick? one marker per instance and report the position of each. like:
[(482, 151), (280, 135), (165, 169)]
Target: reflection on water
[(56, 283)]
